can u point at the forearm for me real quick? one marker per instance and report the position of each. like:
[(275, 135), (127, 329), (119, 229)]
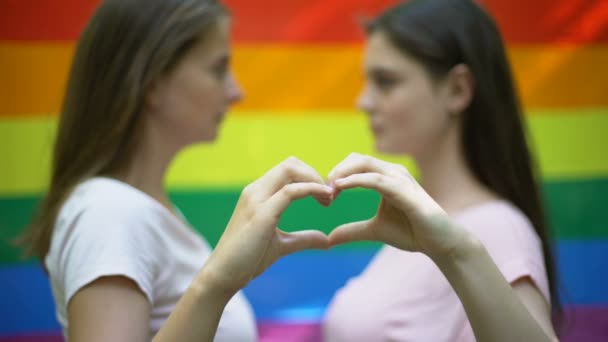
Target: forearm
[(197, 314), (495, 312)]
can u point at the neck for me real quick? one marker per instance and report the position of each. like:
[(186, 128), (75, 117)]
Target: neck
[(148, 166), (446, 176)]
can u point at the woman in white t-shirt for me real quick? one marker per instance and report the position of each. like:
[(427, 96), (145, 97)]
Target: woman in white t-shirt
[(150, 77)]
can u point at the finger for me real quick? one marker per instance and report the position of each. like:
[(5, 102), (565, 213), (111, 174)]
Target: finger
[(406, 195), (336, 192), (291, 170), (274, 207), (301, 240), (387, 186), (358, 163), (324, 201), (350, 232)]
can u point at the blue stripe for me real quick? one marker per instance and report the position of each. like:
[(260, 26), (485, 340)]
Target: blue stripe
[(298, 287), (583, 272), (26, 300)]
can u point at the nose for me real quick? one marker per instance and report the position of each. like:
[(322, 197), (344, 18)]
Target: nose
[(234, 91), (365, 101)]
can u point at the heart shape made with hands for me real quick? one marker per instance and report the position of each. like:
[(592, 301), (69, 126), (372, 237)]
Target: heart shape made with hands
[(323, 215), (394, 209)]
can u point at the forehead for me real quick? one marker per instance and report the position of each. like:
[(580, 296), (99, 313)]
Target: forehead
[(215, 42), (380, 52)]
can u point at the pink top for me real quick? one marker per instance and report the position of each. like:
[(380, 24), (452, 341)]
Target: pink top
[(402, 296)]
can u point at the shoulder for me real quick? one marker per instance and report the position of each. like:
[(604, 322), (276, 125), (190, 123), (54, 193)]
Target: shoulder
[(498, 224), (107, 198), (510, 239), (108, 210), (110, 203)]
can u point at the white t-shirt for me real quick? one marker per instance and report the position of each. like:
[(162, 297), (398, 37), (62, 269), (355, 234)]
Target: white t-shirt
[(106, 227)]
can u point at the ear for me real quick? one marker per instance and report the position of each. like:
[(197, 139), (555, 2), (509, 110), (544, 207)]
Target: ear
[(459, 89), (154, 94)]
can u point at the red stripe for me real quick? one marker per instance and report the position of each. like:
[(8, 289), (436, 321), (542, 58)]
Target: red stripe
[(44, 19), (551, 21), (521, 21), (303, 20)]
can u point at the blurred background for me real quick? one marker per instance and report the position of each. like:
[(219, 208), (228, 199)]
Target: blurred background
[(299, 62)]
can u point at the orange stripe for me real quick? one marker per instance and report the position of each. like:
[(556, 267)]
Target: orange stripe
[(284, 77), (33, 77), (562, 76)]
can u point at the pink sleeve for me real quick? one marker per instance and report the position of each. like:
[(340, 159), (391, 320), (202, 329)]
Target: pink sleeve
[(512, 242)]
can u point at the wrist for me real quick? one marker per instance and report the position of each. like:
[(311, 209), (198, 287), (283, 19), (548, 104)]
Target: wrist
[(466, 248), (211, 283)]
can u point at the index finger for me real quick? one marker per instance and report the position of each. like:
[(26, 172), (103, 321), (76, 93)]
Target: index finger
[(291, 170), (357, 163)]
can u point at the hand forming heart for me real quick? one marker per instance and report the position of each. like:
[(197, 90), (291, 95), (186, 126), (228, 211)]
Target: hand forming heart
[(407, 217)]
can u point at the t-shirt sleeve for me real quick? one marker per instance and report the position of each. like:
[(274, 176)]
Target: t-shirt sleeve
[(109, 240), (513, 244)]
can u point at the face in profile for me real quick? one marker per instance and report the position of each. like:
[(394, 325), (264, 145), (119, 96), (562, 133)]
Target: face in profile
[(408, 110), (189, 103)]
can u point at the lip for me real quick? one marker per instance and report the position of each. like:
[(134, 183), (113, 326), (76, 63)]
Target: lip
[(376, 128), (220, 116)]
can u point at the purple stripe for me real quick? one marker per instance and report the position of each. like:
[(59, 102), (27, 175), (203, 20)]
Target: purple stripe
[(50, 337), (289, 332), (589, 324)]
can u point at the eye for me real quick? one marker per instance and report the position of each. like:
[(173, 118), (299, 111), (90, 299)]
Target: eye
[(220, 68), (220, 71), (383, 80)]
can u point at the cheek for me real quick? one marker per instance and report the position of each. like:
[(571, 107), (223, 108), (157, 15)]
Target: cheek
[(194, 100), (404, 109), (411, 117), (193, 94)]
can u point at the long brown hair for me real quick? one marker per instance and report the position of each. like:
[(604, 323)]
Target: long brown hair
[(443, 33), (126, 46)]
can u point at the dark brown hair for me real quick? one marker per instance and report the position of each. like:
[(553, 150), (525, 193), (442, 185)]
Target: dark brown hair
[(443, 33), (127, 45)]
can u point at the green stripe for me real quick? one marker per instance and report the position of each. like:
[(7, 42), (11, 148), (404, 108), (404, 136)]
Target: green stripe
[(571, 145), (575, 211)]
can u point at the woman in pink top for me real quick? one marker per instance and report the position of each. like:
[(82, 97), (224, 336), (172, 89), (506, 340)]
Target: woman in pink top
[(439, 88)]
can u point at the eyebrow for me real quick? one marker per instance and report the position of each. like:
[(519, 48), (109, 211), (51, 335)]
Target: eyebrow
[(379, 70), (223, 59)]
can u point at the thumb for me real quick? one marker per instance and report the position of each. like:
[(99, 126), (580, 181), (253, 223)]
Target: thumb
[(298, 241), (350, 232)]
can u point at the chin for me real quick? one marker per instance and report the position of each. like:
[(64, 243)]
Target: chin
[(201, 139), (208, 139), (391, 149)]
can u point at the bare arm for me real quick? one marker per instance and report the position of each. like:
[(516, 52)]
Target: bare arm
[(109, 309), (409, 219), (496, 310), (197, 314), (115, 309)]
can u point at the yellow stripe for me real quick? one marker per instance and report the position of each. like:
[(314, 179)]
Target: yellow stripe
[(304, 77), (570, 146)]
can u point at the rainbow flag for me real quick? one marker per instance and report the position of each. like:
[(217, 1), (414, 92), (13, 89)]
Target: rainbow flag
[(299, 62)]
